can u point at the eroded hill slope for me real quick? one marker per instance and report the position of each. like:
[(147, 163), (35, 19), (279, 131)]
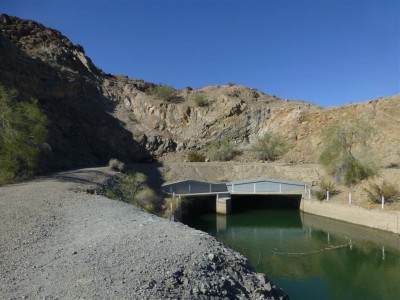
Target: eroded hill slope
[(96, 116)]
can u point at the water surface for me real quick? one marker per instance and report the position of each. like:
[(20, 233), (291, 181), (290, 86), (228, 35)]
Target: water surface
[(311, 257)]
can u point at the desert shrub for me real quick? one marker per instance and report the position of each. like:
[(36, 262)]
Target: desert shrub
[(375, 192), (200, 99), (22, 133), (234, 93), (193, 156), (222, 150), (164, 92), (141, 178), (148, 200), (172, 205), (339, 157), (132, 188), (132, 117), (270, 147), (324, 187), (169, 207), (116, 165), (231, 84), (123, 188), (393, 165), (355, 170)]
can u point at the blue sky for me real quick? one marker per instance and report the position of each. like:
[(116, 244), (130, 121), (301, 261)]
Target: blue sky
[(326, 52)]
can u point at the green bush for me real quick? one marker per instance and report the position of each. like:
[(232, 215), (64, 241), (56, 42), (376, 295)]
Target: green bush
[(270, 147), (165, 92), (324, 187), (22, 133), (200, 99), (375, 192), (338, 155), (222, 150), (132, 188), (355, 171), (196, 157)]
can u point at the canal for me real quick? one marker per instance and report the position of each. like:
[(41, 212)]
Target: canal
[(308, 256)]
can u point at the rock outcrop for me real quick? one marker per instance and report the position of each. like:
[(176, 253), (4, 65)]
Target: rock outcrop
[(41, 63), (96, 116)]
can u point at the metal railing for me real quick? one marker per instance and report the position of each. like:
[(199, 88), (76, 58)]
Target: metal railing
[(192, 187), (264, 186)]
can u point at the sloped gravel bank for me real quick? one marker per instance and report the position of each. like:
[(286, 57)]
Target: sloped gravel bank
[(58, 242)]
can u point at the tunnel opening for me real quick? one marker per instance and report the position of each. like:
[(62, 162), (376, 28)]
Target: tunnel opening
[(207, 204), (281, 202), (198, 205)]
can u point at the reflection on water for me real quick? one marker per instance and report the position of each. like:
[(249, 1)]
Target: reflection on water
[(312, 257)]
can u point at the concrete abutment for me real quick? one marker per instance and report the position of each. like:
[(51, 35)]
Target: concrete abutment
[(223, 205)]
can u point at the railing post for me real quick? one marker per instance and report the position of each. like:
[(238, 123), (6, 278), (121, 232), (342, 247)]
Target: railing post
[(309, 193), (350, 198), (189, 188), (327, 195), (233, 185), (280, 188), (210, 188), (383, 202), (254, 188)]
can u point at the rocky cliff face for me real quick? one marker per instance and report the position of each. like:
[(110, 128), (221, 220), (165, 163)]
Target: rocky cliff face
[(96, 116), (40, 62), (245, 115)]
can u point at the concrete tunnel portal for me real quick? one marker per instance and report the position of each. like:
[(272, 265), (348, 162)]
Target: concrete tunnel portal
[(225, 198)]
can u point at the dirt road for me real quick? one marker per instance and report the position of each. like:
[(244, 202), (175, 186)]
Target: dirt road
[(59, 242)]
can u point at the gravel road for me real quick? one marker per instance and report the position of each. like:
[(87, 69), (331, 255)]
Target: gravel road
[(57, 241)]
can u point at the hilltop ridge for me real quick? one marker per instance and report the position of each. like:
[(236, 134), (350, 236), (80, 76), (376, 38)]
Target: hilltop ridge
[(95, 116)]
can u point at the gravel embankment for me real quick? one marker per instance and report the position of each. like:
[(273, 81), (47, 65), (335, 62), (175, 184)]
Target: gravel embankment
[(57, 242)]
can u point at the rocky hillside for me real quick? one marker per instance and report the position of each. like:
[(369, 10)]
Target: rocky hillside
[(42, 63), (96, 116)]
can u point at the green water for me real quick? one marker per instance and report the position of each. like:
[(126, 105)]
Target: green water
[(311, 257)]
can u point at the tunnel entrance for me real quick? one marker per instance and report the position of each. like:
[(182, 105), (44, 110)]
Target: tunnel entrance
[(207, 204), (198, 205), (245, 202)]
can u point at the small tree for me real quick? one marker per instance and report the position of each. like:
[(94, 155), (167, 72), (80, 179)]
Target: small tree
[(344, 150), (22, 132), (270, 147)]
